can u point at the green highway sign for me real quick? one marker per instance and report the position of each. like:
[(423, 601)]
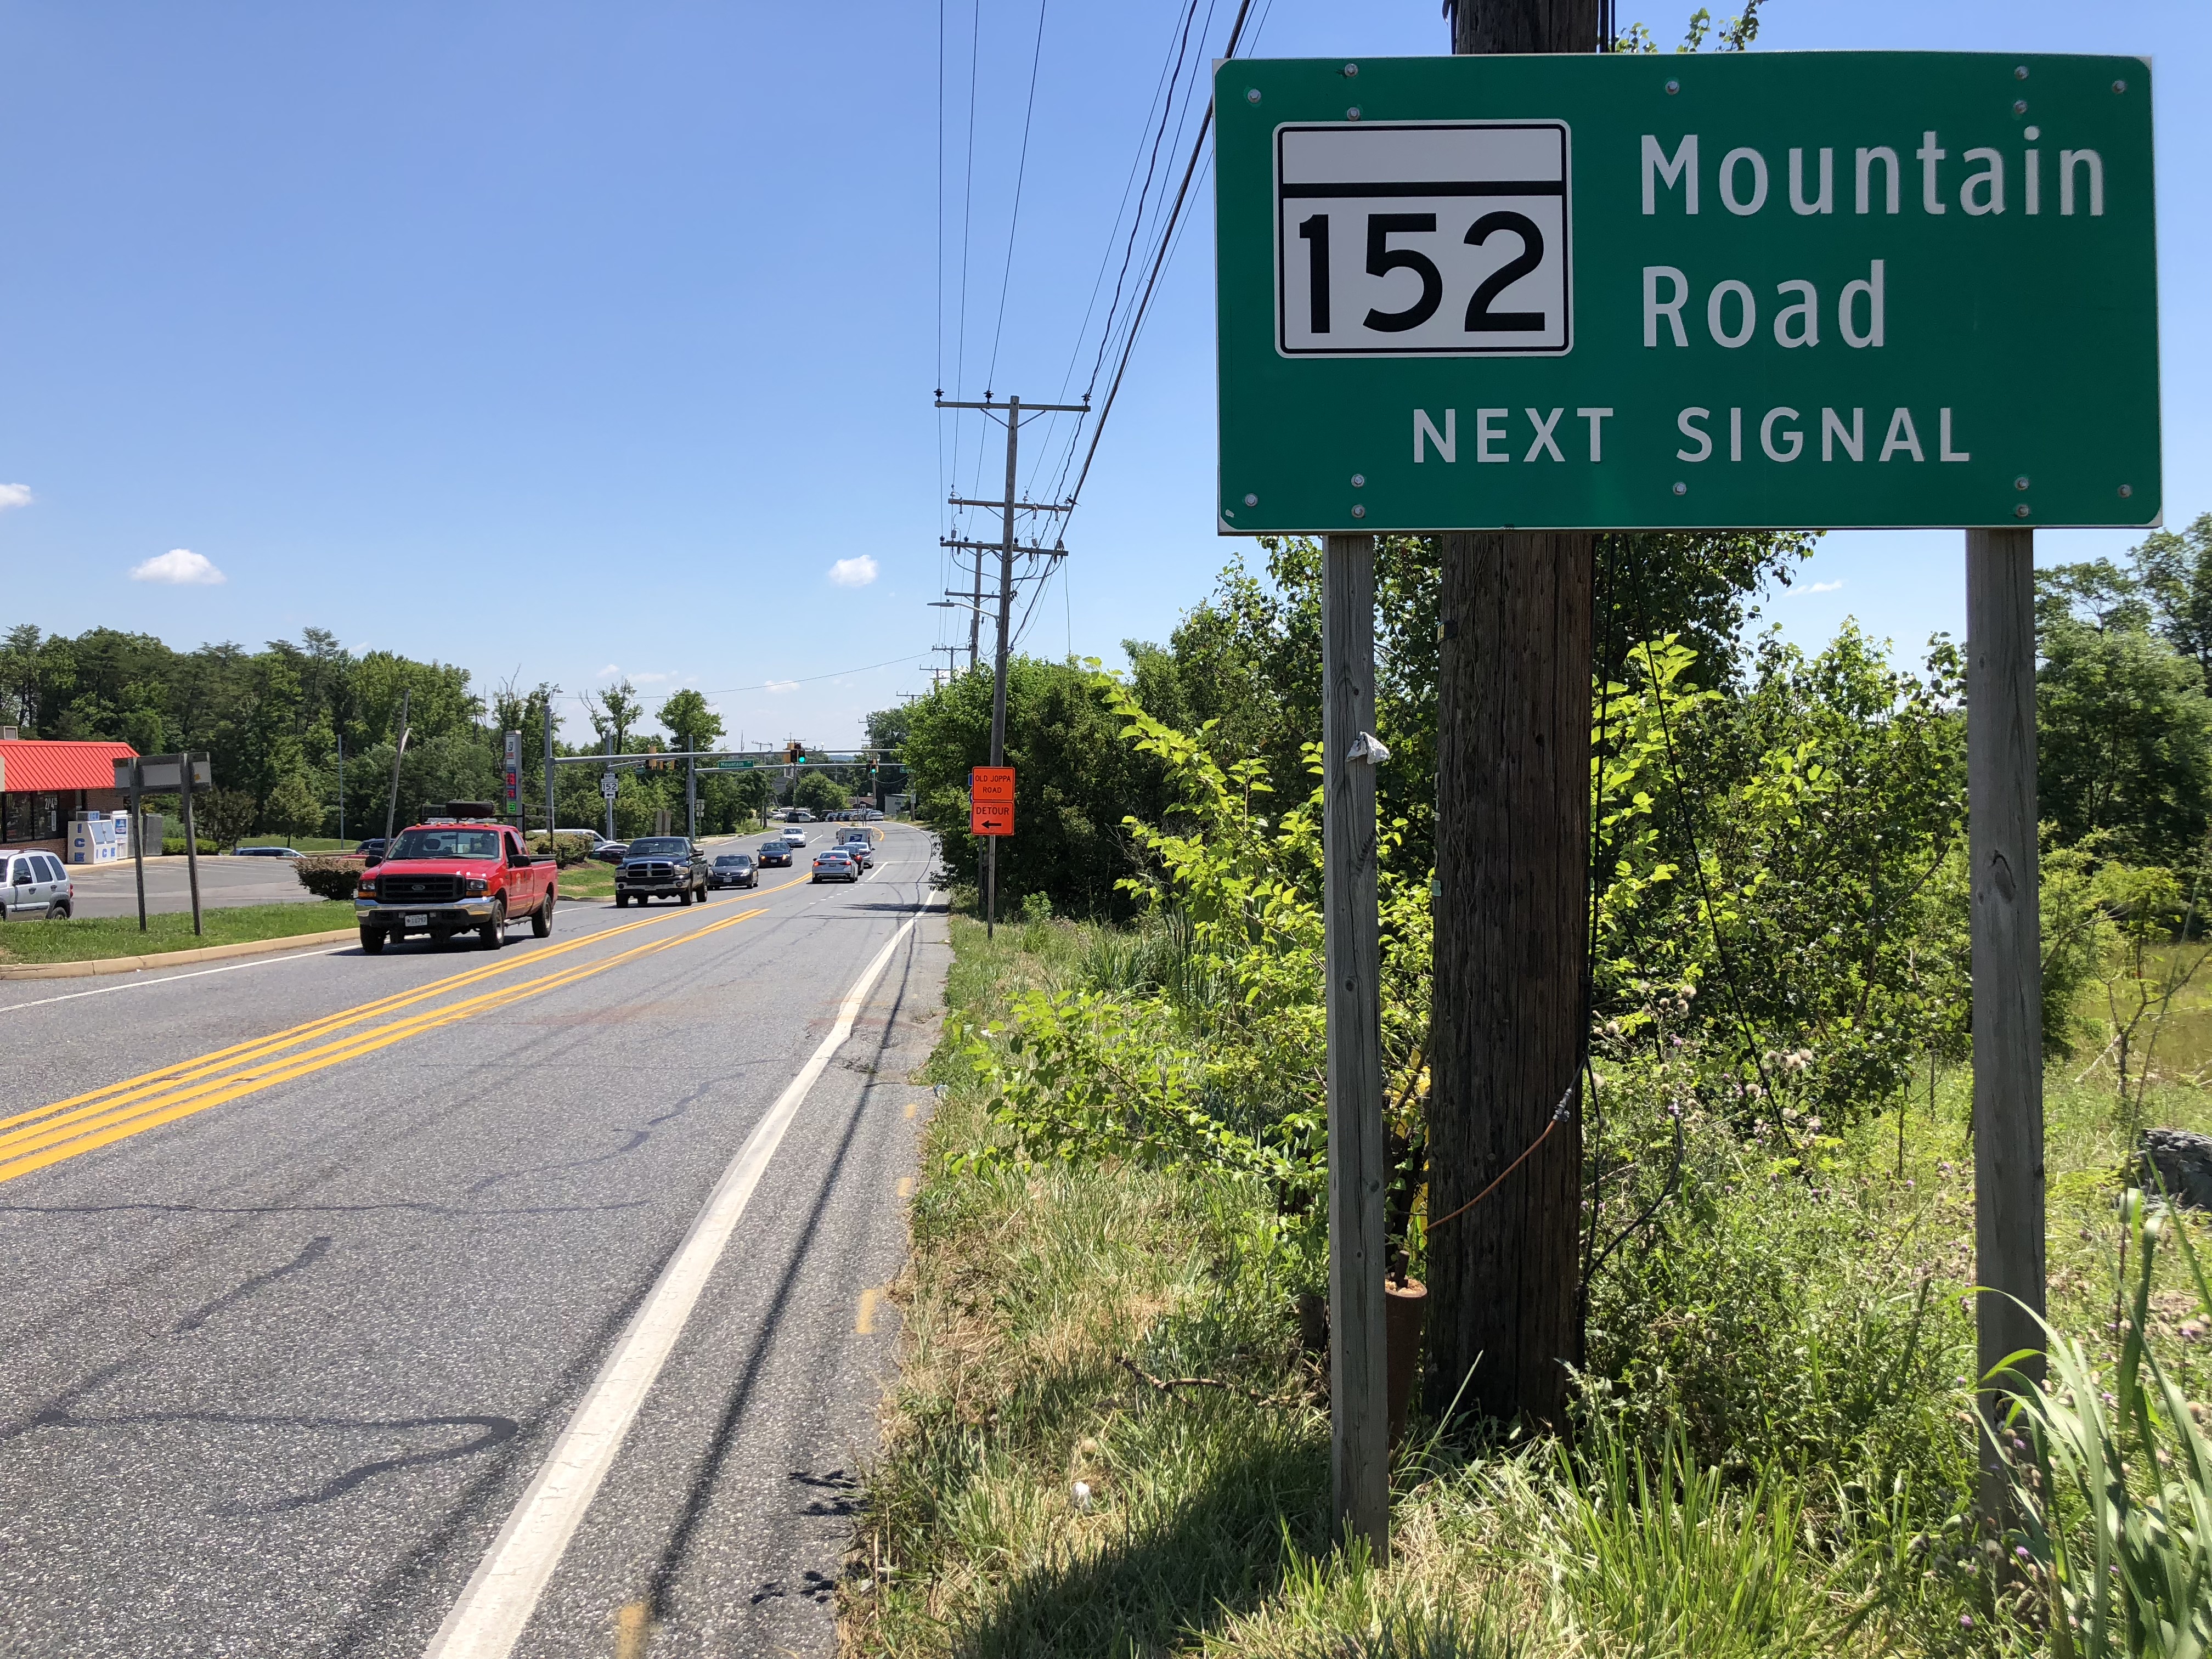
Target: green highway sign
[(1818, 289)]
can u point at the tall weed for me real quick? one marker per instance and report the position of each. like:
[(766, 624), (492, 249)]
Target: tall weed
[(2114, 1483)]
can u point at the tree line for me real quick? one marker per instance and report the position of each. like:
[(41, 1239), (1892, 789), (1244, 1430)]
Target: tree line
[(301, 728)]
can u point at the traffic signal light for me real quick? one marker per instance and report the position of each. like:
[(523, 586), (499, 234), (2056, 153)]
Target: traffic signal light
[(795, 753)]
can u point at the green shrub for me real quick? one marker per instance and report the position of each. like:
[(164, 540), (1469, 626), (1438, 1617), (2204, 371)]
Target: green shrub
[(567, 849), (332, 877), (173, 847)]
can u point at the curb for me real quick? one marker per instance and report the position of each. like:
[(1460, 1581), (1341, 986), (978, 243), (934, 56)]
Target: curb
[(253, 947)]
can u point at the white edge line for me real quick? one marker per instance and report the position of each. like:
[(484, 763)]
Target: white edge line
[(270, 961), (504, 1591)]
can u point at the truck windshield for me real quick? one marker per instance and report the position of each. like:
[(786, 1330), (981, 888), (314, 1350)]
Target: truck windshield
[(446, 844), (659, 847)]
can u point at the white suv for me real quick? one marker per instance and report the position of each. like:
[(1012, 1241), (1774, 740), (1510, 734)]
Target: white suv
[(34, 884)]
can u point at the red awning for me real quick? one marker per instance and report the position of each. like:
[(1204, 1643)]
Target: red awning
[(35, 763)]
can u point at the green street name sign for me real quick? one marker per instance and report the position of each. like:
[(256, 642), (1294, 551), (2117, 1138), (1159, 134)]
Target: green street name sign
[(1816, 289)]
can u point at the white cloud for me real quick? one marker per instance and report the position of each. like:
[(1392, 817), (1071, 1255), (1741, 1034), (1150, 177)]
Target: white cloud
[(14, 495), (652, 679), (1821, 587), (179, 567), (607, 673), (853, 573), (779, 687)]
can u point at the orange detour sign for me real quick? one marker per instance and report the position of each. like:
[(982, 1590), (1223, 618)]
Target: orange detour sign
[(991, 801)]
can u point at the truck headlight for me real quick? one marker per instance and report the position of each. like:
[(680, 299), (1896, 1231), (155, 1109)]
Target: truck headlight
[(367, 888), (473, 885)]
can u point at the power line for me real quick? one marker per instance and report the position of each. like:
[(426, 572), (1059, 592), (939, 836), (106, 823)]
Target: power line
[(1151, 167), (808, 680), (1162, 105), (1021, 173), (1160, 263), (967, 221)]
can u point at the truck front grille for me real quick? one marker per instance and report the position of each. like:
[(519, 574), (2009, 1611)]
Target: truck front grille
[(418, 890)]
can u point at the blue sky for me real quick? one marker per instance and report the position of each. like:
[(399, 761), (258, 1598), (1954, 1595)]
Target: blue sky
[(560, 341)]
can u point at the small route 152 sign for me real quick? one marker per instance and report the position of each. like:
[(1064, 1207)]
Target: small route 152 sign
[(991, 801), (1806, 288)]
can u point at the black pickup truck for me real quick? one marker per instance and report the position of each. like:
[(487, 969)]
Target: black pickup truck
[(661, 867)]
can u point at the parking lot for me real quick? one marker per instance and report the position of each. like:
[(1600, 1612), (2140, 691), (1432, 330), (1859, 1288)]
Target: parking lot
[(111, 889)]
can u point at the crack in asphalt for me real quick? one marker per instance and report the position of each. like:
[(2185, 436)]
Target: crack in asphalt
[(316, 1250), (61, 1412), (496, 1431), (637, 1138)]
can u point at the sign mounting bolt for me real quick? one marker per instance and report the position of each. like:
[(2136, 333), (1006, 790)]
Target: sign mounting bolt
[(1674, 87), (1358, 511), (1351, 114), (2020, 483), (2019, 107), (1350, 70), (2020, 73), (2119, 86), (1251, 500), (2126, 490), (2020, 512), (1681, 489), (1359, 481), (1251, 94)]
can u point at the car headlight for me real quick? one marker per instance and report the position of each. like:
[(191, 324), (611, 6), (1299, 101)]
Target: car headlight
[(366, 890), (474, 885)]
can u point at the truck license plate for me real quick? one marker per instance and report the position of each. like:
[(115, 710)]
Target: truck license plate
[(414, 922)]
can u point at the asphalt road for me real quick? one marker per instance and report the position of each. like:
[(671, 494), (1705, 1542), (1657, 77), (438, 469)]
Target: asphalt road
[(338, 1250)]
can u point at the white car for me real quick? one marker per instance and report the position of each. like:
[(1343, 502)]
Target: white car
[(34, 885), (795, 837)]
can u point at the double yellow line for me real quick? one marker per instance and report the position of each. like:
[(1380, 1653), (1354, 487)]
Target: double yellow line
[(32, 1140)]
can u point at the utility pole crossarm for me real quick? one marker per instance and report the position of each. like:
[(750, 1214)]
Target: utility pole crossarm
[(1019, 507), (1000, 546), (1018, 410)]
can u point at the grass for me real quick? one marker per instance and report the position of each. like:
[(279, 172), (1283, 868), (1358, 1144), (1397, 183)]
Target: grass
[(589, 880), (87, 939), (1778, 1463)]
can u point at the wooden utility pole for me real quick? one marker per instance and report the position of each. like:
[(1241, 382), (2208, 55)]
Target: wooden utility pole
[(1010, 413), (1359, 1462), (999, 679), (2008, 961), (1511, 919)]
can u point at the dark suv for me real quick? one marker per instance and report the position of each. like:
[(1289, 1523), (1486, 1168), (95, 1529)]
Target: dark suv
[(660, 866)]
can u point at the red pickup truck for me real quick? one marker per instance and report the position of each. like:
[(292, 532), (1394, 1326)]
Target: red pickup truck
[(454, 875)]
